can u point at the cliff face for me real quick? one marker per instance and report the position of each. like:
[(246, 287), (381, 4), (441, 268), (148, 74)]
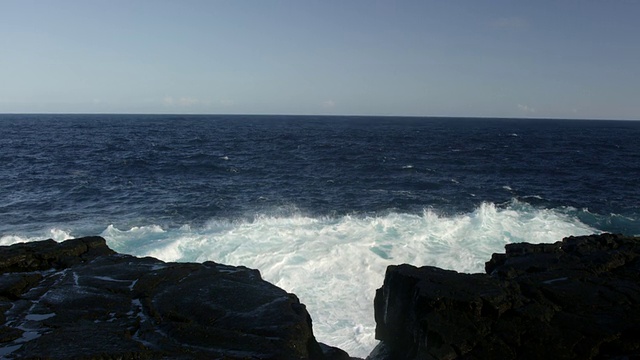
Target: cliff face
[(575, 299), (79, 299)]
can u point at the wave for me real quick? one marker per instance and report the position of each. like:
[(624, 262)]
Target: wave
[(335, 264), (53, 233)]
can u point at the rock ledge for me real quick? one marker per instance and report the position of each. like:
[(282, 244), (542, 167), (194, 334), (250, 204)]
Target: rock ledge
[(80, 300), (576, 299)]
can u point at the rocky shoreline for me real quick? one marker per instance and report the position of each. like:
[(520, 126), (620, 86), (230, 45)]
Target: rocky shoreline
[(578, 298), (80, 300)]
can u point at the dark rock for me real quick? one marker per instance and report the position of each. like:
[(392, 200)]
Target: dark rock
[(575, 299), (334, 353), (80, 300), (48, 254), (380, 352)]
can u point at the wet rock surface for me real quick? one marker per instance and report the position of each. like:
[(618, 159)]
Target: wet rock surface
[(80, 300), (576, 299)]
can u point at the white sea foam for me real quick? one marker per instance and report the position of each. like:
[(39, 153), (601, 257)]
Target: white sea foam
[(55, 234), (334, 264)]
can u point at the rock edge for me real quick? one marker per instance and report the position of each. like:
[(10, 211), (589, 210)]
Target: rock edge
[(578, 298), (79, 299)]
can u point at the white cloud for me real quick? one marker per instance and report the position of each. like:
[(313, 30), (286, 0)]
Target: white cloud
[(526, 108), (182, 101), (328, 104), (186, 101)]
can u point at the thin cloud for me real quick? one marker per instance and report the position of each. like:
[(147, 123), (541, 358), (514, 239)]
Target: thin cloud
[(167, 101), (526, 109), (182, 101), (186, 101), (329, 104)]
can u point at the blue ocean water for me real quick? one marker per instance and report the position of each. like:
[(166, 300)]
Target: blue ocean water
[(321, 205)]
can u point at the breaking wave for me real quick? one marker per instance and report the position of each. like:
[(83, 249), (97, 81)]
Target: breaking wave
[(335, 264)]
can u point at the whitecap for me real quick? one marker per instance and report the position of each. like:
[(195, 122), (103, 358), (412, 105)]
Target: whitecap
[(335, 264), (53, 233)]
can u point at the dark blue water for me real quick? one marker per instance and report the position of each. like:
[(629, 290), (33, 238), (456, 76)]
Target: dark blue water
[(320, 205), (132, 170)]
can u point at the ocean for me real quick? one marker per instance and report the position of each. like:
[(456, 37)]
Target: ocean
[(320, 205)]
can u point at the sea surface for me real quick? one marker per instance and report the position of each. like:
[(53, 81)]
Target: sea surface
[(320, 205)]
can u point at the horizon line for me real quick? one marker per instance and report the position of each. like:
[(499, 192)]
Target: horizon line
[(321, 115)]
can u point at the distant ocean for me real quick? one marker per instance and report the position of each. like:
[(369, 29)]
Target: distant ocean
[(320, 205)]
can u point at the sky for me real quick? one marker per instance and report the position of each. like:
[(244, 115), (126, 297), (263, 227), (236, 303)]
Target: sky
[(476, 58)]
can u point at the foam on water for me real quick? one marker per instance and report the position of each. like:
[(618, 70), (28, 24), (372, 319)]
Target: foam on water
[(334, 264), (55, 234), (166, 171)]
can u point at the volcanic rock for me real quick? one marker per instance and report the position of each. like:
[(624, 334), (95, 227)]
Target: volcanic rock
[(576, 299), (80, 300)]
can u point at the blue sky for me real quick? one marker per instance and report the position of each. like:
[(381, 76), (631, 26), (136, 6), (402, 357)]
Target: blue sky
[(516, 58)]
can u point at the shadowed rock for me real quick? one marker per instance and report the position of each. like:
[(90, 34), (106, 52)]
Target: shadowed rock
[(79, 299), (575, 299)]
